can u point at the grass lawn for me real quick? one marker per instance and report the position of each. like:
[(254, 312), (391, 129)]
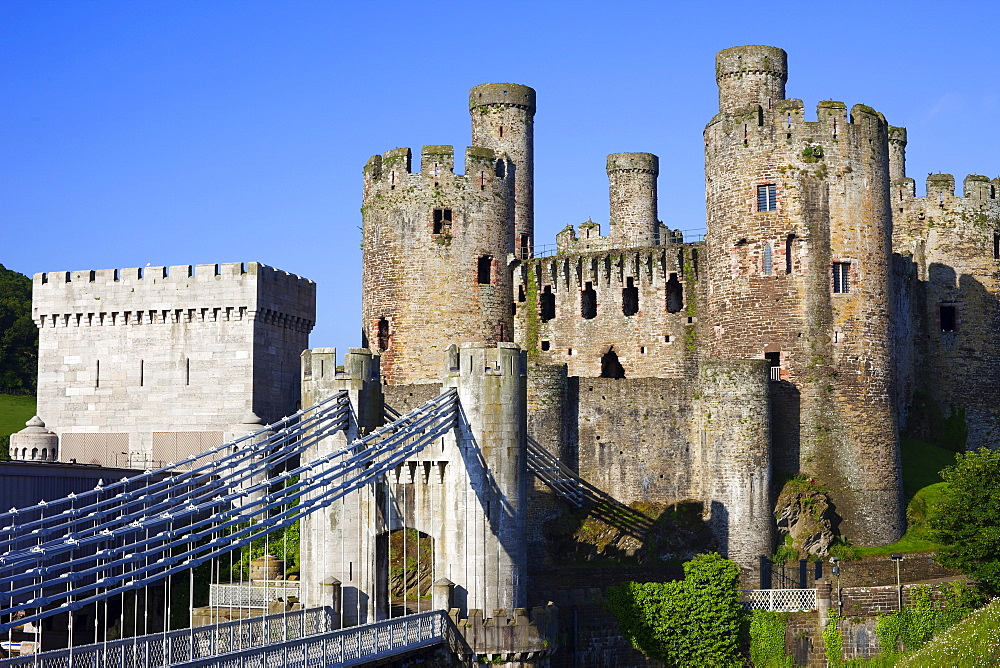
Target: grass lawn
[(14, 412), (922, 486), (974, 641)]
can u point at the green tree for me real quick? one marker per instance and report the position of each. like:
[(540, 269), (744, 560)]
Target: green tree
[(967, 519), (18, 335), (696, 621)]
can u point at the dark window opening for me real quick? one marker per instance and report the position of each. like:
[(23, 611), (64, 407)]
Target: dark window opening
[(694, 261), (383, 334), (630, 297), (788, 253), (142, 373), (501, 169), (187, 371), (948, 318), (547, 302), (546, 345), (841, 277), (503, 331), (610, 366), (97, 375), (501, 131), (675, 295), (680, 261), (524, 246), (484, 269), (996, 246), (520, 294), (773, 358), (588, 302), (767, 197), (442, 221), (767, 259)]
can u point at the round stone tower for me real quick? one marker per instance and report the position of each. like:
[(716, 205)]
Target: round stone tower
[(798, 248), (750, 75), (435, 257), (503, 119), (632, 180)]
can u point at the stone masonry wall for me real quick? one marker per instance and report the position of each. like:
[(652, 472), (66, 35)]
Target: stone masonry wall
[(185, 352), (951, 244), (657, 339)]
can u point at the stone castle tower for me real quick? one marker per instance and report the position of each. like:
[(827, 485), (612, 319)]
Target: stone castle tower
[(436, 243), (798, 253)]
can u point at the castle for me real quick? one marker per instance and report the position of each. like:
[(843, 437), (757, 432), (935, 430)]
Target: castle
[(828, 309)]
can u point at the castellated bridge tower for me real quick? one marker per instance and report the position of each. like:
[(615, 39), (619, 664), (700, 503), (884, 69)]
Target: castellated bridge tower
[(503, 119), (632, 189), (435, 256), (798, 249)]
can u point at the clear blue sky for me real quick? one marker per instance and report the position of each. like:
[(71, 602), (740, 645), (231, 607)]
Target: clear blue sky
[(179, 132)]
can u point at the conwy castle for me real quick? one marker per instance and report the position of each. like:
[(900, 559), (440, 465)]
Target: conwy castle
[(828, 310)]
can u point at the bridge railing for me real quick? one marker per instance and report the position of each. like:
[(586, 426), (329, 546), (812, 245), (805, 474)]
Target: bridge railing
[(352, 646), (780, 600), (166, 649), (258, 594)]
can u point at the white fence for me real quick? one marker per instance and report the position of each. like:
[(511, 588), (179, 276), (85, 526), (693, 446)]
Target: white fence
[(259, 594), (167, 649), (780, 600)]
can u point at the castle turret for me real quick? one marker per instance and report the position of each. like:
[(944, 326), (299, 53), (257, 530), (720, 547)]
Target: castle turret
[(798, 234), (750, 75), (435, 257), (503, 120), (897, 154), (632, 178)]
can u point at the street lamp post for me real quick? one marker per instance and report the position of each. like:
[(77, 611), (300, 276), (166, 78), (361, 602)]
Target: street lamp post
[(836, 571), (897, 557)]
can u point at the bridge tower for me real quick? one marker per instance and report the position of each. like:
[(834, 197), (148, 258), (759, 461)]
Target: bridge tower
[(466, 492)]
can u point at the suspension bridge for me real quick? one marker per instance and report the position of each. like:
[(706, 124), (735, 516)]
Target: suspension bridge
[(409, 532)]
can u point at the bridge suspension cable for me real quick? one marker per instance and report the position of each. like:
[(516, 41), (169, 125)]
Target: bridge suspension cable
[(74, 552)]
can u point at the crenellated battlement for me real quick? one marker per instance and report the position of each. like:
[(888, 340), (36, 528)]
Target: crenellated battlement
[(228, 292), (183, 273), (437, 162)]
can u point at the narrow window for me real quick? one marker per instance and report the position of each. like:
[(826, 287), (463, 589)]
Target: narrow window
[(383, 334), (442, 221), (392, 179), (767, 259), (520, 294), (611, 367), (630, 297), (524, 246), (187, 371), (484, 269), (547, 303), (841, 277), (503, 331), (680, 261), (142, 373), (996, 246), (789, 240), (482, 180), (588, 302), (694, 261), (948, 319), (675, 295), (97, 375), (501, 132), (767, 197)]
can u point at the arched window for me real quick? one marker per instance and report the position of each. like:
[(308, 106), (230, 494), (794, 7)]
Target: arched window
[(767, 259)]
